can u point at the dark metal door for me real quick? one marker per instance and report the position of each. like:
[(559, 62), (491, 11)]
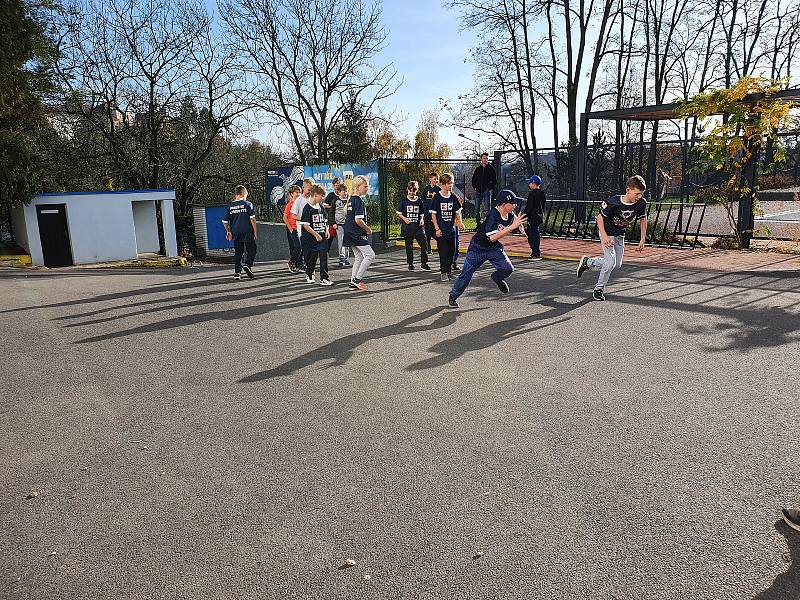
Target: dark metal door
[(54, 235)]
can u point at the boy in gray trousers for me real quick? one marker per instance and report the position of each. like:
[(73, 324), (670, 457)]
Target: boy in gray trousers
[(615, 215), (339, 215)]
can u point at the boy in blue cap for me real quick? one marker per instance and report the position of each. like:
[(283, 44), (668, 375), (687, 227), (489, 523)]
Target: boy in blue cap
[(534, 210), (485, 245)]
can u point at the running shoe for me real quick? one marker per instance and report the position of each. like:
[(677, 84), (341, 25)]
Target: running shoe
[(583, 264), (310, 279), (425, 267), (249, 272), (326, 282), (503, 286), (598, 295), (444, 277), (792, 518), (362, 286), (534, 257), (236, 277), (451, 302), (353, 284), (456, 267), (410, 267)]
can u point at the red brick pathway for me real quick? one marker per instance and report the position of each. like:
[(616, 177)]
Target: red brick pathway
[(700, 258)]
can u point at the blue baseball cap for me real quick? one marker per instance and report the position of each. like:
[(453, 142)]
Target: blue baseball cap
[(508, 197), (535, 179)]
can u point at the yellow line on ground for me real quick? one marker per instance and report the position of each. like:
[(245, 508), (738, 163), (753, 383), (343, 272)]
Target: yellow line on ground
[(402, 244)]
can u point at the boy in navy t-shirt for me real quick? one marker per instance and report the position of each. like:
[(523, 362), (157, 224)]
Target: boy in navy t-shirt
[(411, 211), (445, 213), (240, 226), (314, 235), (485, 245), (427, 200)]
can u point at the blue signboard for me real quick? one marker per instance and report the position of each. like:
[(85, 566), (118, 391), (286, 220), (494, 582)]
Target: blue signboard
[(215, 230), (324, 174), (279, 180)]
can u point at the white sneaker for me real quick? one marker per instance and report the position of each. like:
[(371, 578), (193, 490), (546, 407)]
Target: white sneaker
[(310, 279), (326, 282)]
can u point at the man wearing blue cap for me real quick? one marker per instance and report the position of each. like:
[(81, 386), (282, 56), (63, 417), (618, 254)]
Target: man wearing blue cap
[(534, 210), (485, 245)]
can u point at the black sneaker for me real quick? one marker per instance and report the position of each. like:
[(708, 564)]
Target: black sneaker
[(425, 267), (791, 516), (410, 267), (598, 295), (236, 277), (451, 302), (455, 267), (503, 286), (583, 264), (353, 284), (249, 272)]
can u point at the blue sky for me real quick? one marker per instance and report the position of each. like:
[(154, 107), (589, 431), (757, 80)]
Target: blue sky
[(427, 46)]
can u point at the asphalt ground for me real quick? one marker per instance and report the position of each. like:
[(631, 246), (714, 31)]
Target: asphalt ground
[(194, 437)]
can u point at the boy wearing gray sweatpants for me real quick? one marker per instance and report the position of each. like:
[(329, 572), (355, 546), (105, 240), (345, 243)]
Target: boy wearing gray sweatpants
[(615, 215)]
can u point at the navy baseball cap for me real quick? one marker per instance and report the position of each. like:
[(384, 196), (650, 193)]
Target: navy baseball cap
[(508, 197), (535, 179)]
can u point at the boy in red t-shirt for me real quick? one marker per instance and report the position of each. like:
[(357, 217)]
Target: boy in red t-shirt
[(295, 253)]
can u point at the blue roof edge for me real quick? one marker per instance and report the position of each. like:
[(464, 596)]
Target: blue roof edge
[(103, 193)]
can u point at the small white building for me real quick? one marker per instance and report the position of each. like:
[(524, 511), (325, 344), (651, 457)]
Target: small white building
[(63, 229)]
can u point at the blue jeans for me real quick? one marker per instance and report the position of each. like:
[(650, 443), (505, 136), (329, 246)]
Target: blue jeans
[(476, 256), (482, 198)]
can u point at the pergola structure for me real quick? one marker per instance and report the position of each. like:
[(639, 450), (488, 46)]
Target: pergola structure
[(665, 112)]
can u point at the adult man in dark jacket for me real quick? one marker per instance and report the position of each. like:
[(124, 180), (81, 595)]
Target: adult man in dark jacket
[(484, 180), (534, 210)]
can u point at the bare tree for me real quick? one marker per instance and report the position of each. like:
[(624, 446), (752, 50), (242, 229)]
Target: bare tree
[(152, 88), (307, 59)]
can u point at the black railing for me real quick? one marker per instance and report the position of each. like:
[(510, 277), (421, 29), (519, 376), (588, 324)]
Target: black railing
[(674, 224)]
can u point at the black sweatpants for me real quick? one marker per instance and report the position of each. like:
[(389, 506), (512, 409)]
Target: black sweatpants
[(311, 256), (447, 248), (246, 248), (411, 235), (295, 251)]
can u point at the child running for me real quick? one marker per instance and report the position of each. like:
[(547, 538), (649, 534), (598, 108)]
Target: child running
[(339, 216), (357, 233), (412, 214), (446, 216), (314, 225), (295, 253), (615, 215), (485, 245)]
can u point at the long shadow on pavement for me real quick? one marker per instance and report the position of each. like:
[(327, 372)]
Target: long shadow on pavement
[(341, 350), (452, 349), (786, 585), (228, 314)]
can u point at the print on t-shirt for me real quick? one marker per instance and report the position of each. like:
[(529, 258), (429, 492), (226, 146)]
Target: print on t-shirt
[(617, 215)]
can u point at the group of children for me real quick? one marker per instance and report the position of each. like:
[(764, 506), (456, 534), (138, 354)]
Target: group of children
[(309, 233), (433, 215)]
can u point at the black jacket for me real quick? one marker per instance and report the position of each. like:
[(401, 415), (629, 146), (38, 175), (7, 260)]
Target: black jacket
[(484, 178), (534, 207)]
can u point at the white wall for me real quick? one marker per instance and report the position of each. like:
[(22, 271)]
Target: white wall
[(101, 224), (145, 225), (168, 219), (18, 225)]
